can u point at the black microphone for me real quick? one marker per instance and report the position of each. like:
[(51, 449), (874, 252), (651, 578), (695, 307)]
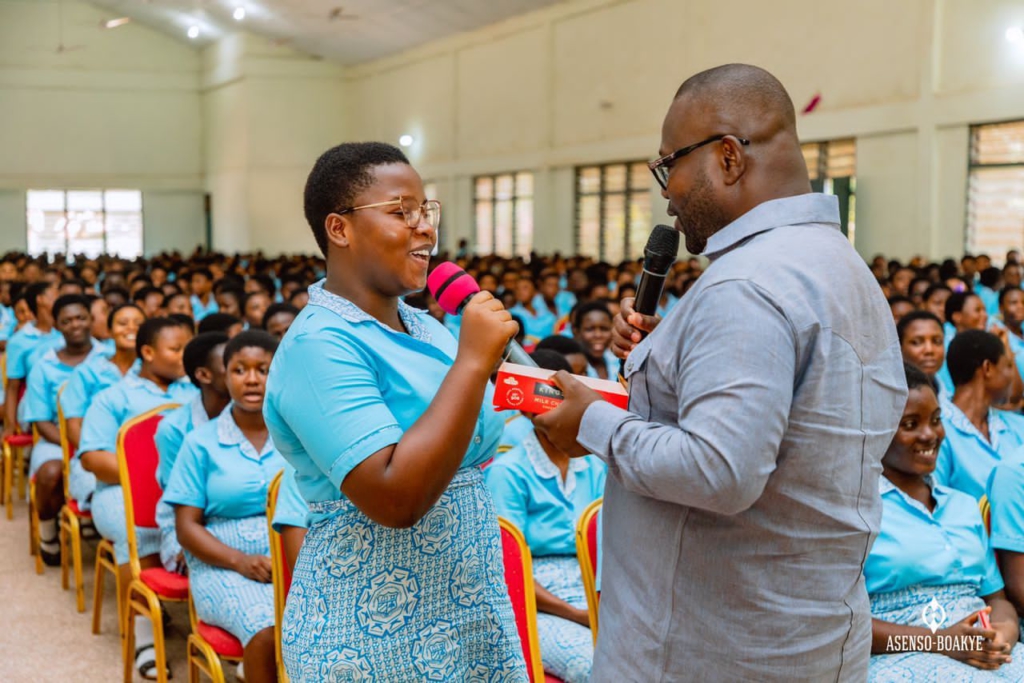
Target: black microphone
[(659, 254), (452, 288)]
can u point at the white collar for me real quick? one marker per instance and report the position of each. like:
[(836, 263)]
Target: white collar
[(318, 296)]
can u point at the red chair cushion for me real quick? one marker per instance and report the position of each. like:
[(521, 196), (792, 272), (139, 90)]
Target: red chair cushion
[(164, 583), (77, 511), (222, 642), (142, 458), (19, 440), (548, 678)]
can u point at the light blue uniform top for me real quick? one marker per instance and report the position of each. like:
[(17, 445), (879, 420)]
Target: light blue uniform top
[(120, 402), (564, 302), (8, 322), (1016, 346), (517, 426), (1006, 497), (966, 459), (44, 382), (89, 379), (343, 386), (201, 311), (170, 434), (611, 364), (292, 509), (219, 471), (528, 491), (918, 547), (26, 346), (538, 326), (990, 298)]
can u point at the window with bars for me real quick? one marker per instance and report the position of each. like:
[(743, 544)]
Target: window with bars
[(613, 210), (89, 222), (503, 211), (995, 189), (832, 167)]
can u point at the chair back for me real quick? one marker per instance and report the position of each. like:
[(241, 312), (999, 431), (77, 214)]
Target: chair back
[(281, 573), (519, 578), (137, 459), (67, 448), (986, 512), (587, 538)]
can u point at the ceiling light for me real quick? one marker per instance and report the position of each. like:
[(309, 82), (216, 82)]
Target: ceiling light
[(239, 13), (114, 23), (405, 140), (193, 32), (1014, 34)]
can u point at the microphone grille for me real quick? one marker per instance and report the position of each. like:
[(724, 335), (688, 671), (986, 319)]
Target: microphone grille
[(663, 241)]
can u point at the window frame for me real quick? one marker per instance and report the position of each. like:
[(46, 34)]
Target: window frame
[(103, 212), (516, 198), (974, 165)]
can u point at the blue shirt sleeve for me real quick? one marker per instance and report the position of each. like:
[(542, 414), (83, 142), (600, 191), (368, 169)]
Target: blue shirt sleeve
[(37, 404), (187, 485), (168, 440), (992, 581), (335, 409), (1006, 496), (292, 509), (101, 423), (509, 491), (74, 400), (18, 350), (944, 462)]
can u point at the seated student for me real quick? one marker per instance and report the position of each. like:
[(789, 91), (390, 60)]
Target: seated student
[(568, 348), (923, 345), (254, 307), (204, 365), (179, 302), (934, 300), (1011, 313), (291, 517), (161, 379), (72, 317), (978, 436), (900, 306), (100, 311), (932, 546), (150, 300), (219, 491), (990, 281), (530, 308), (543, 492), (221, 322), (558, 301), (592, 327), (229, 298), (278, 318), (26, 345)]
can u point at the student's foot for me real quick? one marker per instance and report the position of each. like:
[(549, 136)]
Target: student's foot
[(240, 673), (49, 551), (145, 663)]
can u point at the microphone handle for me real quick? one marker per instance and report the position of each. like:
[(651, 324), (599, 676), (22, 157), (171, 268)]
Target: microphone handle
[(648, 295), (514, 353)]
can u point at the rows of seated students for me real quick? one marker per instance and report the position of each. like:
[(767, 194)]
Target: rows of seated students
[(109, 340)]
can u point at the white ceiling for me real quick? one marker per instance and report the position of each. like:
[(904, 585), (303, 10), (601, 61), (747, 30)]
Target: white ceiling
[(346, 31)]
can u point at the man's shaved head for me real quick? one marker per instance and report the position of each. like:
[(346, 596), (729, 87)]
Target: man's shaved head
[(758, 158)]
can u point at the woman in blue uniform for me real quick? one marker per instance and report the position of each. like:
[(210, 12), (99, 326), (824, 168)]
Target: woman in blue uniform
[(218, 489), (384, 417)]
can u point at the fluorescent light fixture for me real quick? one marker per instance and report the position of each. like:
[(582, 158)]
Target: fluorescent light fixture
[(1014, 34), (114, 23), (193, 32), (239, 13), (405, 140)]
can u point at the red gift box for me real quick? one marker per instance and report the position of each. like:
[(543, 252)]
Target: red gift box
[(531, 390)]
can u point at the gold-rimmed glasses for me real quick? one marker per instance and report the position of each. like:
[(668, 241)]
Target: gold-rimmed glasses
[(413, 212)]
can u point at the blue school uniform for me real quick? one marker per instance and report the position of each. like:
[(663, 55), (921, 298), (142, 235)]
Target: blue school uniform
[(611, 365), (26, 346), (219, 471), (565, 301), (423, 603), (8, 322), (517, 426), (920, 555), (113, 407), (528, 490), (990, 299), (40, 402), (535, 326), (170, 434), (292, 509), (1006, 497), (966, 459), (200, 311)]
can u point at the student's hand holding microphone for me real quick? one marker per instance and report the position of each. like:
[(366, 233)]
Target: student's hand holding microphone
[(486, 329)]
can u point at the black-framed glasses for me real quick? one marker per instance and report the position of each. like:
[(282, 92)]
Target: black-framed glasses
[(412, 211), (663, 166)]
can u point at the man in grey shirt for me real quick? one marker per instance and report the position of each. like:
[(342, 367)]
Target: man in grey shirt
[(743, 496)]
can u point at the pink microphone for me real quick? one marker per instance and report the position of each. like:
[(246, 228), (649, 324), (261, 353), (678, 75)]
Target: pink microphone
[(453, 287)]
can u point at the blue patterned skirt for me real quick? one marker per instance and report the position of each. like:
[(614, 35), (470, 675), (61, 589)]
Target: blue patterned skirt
[(428, 603), (109, 517), (906, 607), (566, 648), (225, 598)]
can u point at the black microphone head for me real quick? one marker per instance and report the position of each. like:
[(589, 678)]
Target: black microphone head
[(661, 249)]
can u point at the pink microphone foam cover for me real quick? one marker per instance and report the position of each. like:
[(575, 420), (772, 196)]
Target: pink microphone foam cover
[(451, 285)]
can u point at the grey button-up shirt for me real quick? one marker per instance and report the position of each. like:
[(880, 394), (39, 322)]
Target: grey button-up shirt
[(743, 496)]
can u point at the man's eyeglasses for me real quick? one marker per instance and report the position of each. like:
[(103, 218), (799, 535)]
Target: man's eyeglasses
[(663, 166), (414, 213)]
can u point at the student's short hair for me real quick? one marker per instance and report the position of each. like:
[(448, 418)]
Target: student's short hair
[(199, 352), (899, 299), (234, 290), (185, 319), (582, 310), (338, 176), (32, 294), (205, 272), (917, 378), (218, 322), (117, 309), (147, 291), (151, 329), (955, 303), (63, 302), (275, 309), (250, 338), (968, 351), (990, 277), (559, 344), (937, 287), (266, 283), (913, 317), (549, 359), (1006, 291)]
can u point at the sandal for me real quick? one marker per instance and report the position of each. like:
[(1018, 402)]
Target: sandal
[(146, 666)]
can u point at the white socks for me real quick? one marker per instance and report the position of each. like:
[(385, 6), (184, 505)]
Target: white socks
[(48, 540)]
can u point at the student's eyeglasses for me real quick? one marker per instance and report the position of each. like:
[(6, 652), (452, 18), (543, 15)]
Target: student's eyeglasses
[(414, 213), (663, 166)]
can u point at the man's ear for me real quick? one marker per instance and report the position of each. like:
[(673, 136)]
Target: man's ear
[(338, 230), (733, 160)]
